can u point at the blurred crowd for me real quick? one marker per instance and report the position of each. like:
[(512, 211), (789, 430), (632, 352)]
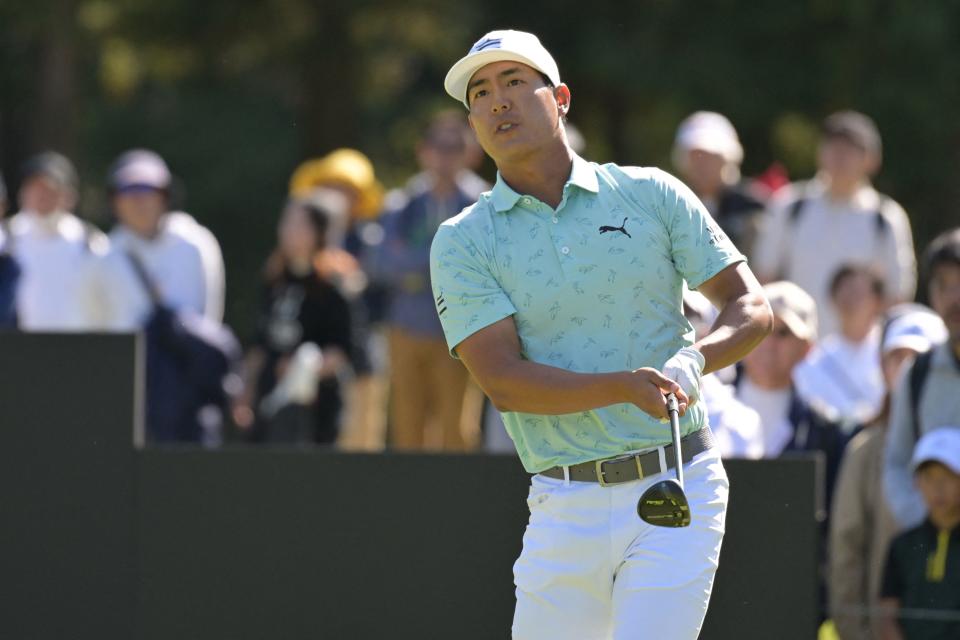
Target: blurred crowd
[(348, 349)]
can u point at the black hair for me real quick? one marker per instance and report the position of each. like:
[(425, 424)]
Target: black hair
[(317, 215), (945, 249), (877, 285)]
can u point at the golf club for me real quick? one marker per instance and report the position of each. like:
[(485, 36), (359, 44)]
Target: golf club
[(664, 504)]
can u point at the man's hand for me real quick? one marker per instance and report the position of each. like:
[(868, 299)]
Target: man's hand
[(646, 389), (686, 368)]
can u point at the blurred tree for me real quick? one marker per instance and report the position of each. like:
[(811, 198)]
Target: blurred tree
[(235, 94)]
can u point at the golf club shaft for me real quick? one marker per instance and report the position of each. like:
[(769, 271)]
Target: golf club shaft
[(674, 410)]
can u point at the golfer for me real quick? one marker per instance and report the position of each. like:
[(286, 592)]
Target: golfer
[(560, 290)]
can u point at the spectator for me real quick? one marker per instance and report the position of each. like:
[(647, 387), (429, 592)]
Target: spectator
[(9, 270), (3, 197), (922, 575), (301, 306), (861, 525), (838, 218), (842, 375), (164, 274), (707, 153), (427, 385), (927, 396), (789, 423), (52, 246), (181, 257), (353, 241)]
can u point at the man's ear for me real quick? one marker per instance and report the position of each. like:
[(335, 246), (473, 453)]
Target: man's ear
[(562, 94)]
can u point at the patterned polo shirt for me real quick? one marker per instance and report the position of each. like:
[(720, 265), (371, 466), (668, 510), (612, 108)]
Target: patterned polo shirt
[(594, 286)]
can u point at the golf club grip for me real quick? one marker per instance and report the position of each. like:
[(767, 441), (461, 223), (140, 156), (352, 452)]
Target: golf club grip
[(674, 410)]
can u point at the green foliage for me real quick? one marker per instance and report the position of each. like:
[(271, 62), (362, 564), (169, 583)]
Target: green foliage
[(235, 94)]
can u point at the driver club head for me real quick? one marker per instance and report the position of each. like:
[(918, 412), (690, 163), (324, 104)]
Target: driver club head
[(664, 505)]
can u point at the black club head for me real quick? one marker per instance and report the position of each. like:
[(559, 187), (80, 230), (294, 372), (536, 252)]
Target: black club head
[(664, 505)]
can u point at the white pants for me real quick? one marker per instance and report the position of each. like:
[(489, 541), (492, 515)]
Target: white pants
[(591, 569)]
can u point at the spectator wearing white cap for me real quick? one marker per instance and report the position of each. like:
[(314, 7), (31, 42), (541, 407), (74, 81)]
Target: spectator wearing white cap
[(51, 245), (181, 258), (921, 581), (861, 525), (708, 155), (837, 218), (928, 395), (789, 423), (842, 374)]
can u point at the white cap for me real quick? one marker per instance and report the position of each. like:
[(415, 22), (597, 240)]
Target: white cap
[(794, 307), (939, 445), (711, 132), (498, 46), (917, 330), (140, 168)]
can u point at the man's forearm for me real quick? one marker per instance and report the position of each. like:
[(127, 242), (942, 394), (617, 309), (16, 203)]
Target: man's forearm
[(530, 387), (741, 325)]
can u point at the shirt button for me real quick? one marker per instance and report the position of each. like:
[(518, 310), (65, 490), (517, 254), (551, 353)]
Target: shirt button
[(565, 250), (555, 220), (527, 201)]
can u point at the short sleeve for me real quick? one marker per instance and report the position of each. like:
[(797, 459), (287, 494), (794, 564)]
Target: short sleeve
[(467, 295), (700, 248), (892, 584)]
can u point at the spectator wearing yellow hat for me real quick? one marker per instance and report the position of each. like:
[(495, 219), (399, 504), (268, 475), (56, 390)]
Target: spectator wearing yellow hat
[(349, 243)]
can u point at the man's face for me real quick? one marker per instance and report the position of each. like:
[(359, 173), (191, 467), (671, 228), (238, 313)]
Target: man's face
[(856, 300), (140, 210), (844, 161), (512, 111), (703, 171), (444, 153), (770, 365), (42, 194), (945, 297), (940, 488)]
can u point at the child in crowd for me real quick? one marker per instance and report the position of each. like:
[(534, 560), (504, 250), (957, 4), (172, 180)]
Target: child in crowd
[(921, 584)]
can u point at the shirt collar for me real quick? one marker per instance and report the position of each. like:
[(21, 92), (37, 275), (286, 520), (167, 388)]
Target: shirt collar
[(582, 175)]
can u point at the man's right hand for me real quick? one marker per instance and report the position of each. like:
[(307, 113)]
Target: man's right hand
[(646, 389)]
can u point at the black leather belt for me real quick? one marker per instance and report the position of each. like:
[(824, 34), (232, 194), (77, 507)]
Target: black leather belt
[(635, 466)]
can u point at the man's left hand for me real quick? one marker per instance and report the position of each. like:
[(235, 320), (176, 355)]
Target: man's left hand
[(686, 368)]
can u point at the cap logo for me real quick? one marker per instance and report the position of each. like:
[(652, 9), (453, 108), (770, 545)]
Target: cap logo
[(487, 43)]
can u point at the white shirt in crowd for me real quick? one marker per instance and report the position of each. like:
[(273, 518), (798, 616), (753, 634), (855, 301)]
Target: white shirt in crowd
[(736, 427), (843, 379), (53, 252), (183, 261), (829, 234), (772, 407)]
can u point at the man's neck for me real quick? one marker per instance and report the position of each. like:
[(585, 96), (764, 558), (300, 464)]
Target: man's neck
[(843, 190), (945, 522), (442, 187), (856, 332), (542, 174), (771, 385)]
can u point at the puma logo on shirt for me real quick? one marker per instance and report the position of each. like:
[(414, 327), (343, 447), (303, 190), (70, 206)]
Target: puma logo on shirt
[(622, 229)]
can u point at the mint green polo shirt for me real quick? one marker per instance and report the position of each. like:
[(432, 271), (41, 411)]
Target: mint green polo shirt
[(594, 286)]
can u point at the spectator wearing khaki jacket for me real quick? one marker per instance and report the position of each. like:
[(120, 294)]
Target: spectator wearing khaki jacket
[(861, 525)]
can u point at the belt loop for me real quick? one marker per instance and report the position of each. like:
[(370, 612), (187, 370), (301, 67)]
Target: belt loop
[(662, 454), (566, 476)]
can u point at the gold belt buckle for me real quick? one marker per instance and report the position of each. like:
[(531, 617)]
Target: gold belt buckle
[(601, 478)]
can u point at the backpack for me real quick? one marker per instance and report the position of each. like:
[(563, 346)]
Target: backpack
[(881, 226), (189, 358), (917, 378)]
